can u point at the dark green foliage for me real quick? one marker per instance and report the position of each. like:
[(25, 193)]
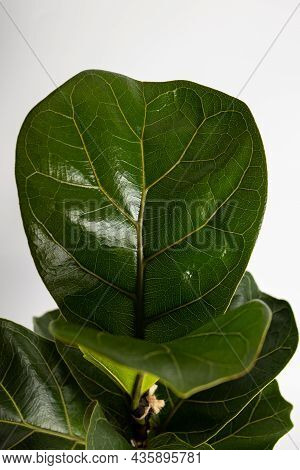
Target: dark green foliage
[(142, 203)]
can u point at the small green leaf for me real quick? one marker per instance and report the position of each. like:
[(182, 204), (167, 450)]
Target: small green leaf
[(201, 416), (221, 350), (259, 426), (102, 435), (41, 324), (124, 376), (40, 402)]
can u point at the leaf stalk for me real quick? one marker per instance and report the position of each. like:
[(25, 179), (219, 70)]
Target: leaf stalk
[(137, 391)]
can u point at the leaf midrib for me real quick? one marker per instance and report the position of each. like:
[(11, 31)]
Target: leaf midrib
[(139, 305)]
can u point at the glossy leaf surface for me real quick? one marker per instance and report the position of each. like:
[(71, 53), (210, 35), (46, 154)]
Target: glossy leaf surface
[(201, 416), (141, 201), (221, 350), (39, 399)]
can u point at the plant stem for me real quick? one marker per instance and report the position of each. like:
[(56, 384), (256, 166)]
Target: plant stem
[(137, 390)]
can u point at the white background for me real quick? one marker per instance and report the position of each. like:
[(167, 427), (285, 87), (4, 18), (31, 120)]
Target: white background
[(221, 44)]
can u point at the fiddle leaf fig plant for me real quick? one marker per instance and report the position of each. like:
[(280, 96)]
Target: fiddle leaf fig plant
[(142, 203)]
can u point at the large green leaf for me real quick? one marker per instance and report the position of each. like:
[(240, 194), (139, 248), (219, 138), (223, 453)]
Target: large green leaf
[(205, 413), (102, 435), (41, 405), (259, 426), (221, 350), (141, 201)]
